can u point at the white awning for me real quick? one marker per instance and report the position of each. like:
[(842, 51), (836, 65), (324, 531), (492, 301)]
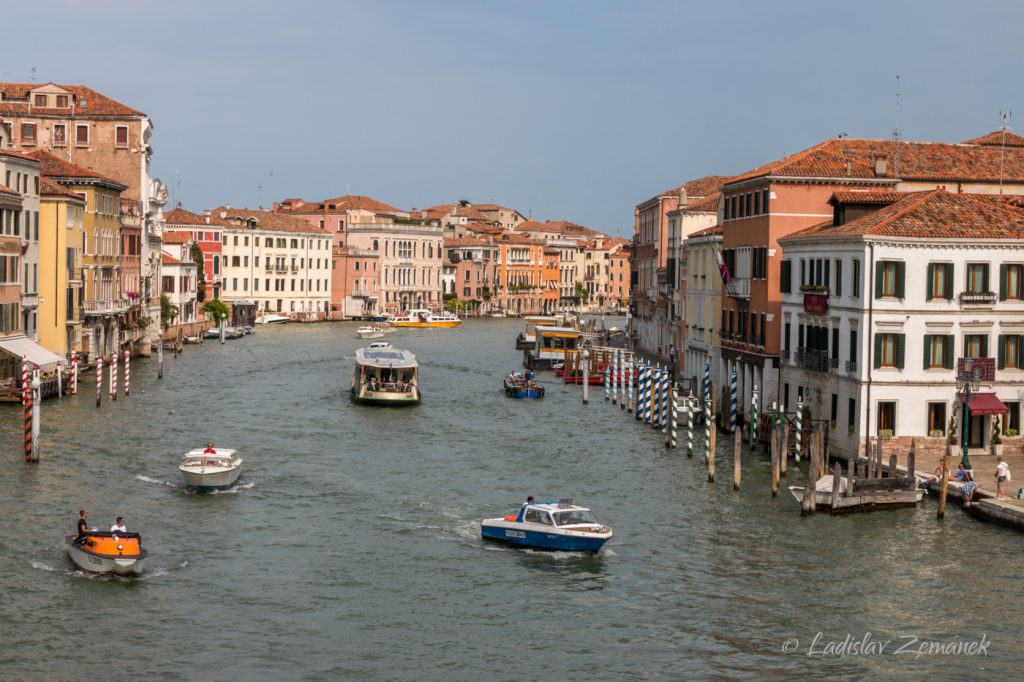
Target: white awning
[(22, 347)]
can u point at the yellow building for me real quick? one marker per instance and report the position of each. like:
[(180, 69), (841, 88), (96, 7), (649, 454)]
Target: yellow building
[(104, 303), (61, 233)]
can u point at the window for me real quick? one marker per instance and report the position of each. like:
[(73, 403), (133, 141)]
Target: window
[(60, 134), (537, 516), (121, 137), (39, 100), (855, 280), (976, 346), (1012, 420), (889, 276), (938, 351), (1010, 351), (853, 345), (28, 133), (851, 414), (839, 278), (835, 409), (936, 419), (62, 101), (887, 418), (889, 350), (168, 284), (977, 278), (940, 281), (1009, 282), (81, 135)]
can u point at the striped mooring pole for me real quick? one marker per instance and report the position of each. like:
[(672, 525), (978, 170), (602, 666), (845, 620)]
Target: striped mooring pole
[(113, 375), (691, 405), (674, 426), (615, 376), (753, 418), (622, 381), (35, 400), (26, 402), (24, 383), (799, 428), (653, 394), (629, 387), (641, 391), (607, 386), (127, 372), (732, 401), (74, 373), (707, 413), (666, 387), (99, 378), (656, 399)]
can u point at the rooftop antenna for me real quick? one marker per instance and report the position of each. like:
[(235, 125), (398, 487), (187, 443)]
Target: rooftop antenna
[(897, 133), (1004, 117), (32, 78)]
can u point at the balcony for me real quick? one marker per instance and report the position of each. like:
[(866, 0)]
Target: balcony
[(30, 300), (815, 360), (851, 366), (978, 298), (111, 307), (738, 287)]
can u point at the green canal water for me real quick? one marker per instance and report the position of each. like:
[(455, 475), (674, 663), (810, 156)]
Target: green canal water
[(351, 549)]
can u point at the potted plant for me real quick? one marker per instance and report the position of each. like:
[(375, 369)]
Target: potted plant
[(935, 433), (885, 433), (951, 441), (997, 442), (1011, 433)]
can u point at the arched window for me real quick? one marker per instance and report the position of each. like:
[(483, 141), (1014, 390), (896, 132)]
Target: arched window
[(376, 245)]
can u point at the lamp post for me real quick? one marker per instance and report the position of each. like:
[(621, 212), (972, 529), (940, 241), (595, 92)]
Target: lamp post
[(966, 383)]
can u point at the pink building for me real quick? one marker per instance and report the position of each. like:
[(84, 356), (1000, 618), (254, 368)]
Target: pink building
[(355, 283), (207, 231)]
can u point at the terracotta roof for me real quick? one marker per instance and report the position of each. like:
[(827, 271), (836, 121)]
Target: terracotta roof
[(998, 138), (708, 204), (849, 158), (176, 237), (56, 167), (179, 216), (445, 210), (49, 188), (707, 232), (266, 220), (481, 228), (337, 205), (936, 214), (557, 227), (516, 238), (494, 207), (866, 197), (8, 190), (170, 260), (17, 155), (86, 101), (454, 242), (699, 188)]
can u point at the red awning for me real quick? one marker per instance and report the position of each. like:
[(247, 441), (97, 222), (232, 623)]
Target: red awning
[(986, 403)]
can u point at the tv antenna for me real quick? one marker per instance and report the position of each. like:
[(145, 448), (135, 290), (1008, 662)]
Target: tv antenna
[(897, 133), (1004, 119)]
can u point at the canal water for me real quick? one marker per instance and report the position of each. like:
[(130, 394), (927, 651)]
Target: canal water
[(351, 549)]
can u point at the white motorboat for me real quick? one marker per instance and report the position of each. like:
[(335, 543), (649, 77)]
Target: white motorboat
[(385, 376), (560, 526), (423, 318), (100, 552), (380, 344), (272, 318), (207, 470), (369, 332)]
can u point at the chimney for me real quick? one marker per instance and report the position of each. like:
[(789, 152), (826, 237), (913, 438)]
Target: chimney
[(682, 197), (277, 207), (880, 166)]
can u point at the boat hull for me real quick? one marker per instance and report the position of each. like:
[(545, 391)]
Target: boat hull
[(387, 398), (94, 563), (428, 325), (524, 535), (371, 334), (218, 480)]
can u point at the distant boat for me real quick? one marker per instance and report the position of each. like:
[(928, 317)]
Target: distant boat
[(369, 332), (421, 317), (560, 526), (518, 386), (210, 470), (272, 318)]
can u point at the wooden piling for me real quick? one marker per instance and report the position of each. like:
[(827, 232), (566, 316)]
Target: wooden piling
[(711, 448), (808, 503), (784, 447), (837, 477), (738, 437), (774, 446), (912, 459), (851, 465), (943, 487), (892, 465)]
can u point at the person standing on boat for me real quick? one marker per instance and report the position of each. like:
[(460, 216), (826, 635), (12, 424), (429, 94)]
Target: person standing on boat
[(119, 526), (209, 449), (83, 526)]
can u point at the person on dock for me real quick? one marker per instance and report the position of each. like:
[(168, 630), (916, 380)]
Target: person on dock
[(83, 526), (963, 475), (119, 526), (1002, 476)]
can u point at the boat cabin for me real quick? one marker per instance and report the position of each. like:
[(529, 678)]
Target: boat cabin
[(562, 513), (385, 375), (551, 345), (198, 458)]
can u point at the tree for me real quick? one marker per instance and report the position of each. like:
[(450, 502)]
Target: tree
[(216, 310), (197, 257), (581, 293), (168, 311)]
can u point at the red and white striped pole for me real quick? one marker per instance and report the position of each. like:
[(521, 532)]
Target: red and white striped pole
[(127, 372), (99, 378), (26, 390), (113, 375), (74, 373)]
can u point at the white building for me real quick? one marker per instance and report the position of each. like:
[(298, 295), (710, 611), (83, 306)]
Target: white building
[(280, 263), (878, 313), (703, 287)]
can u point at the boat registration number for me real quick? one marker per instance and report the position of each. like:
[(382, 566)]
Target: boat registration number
[(94, 560), (515, 534)]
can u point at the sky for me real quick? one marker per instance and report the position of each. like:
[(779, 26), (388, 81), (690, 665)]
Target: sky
[(563, 109)]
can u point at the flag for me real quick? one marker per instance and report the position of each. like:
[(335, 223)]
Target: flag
[(723, 269)]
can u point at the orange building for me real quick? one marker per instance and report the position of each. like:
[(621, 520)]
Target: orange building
[(523, 274)]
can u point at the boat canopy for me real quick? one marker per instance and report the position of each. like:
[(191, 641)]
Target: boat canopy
[(386, 358)]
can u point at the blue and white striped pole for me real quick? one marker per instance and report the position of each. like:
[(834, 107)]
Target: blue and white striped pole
[(615, 376), (691, 407), (622, 380), (652, 403), (799, 428), (707, 412), (732, 401), (753, 418), (629, 388), (665, 385), (640, 392), (656, 419), (607, 388)]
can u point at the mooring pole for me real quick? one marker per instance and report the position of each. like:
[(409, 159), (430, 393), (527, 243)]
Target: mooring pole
[(127, 372), (99, 378), (113, 375), (586, 375), (36, 400)]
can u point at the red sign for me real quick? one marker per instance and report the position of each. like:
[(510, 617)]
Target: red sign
[(816, 304), (985, 368)]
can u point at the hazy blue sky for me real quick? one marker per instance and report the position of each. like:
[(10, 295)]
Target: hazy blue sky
[(571, 110)]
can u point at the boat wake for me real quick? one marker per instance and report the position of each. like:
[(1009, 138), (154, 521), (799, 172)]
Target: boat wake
[(147, 479), (43, 567), (233, 490)]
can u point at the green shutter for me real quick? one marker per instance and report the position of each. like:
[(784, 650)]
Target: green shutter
[(927, 347), (984, 278), (984, 346), (879, 276), (1002, 283), (1001, 340), (931, 280), (949, 352), (878, 350), (785, 284), (949, 281), (899, 350), (900, 278)]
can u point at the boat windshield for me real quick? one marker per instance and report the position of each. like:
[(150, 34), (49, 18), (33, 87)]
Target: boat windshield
[(576, 516)]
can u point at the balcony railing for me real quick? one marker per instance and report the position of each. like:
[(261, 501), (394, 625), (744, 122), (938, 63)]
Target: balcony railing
[(111, 307), (851, 366), (978, 298), (785, 355), (738, 287), (30, 300), (815, 360)]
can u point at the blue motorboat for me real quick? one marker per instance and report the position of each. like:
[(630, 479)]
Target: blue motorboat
[(518, 385), (557, 526)]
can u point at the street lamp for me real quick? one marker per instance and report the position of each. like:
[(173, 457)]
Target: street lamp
[(966, 383)]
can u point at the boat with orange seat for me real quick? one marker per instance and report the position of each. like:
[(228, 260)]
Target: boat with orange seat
[(102, 552)]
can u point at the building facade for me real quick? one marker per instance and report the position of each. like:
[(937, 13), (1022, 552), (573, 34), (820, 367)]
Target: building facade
[(61, 293), (410, 257), (701, 344)]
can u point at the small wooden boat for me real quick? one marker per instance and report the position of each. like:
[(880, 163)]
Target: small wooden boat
[(216, 470), (560, 526), (99, 552), (518, 386)]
